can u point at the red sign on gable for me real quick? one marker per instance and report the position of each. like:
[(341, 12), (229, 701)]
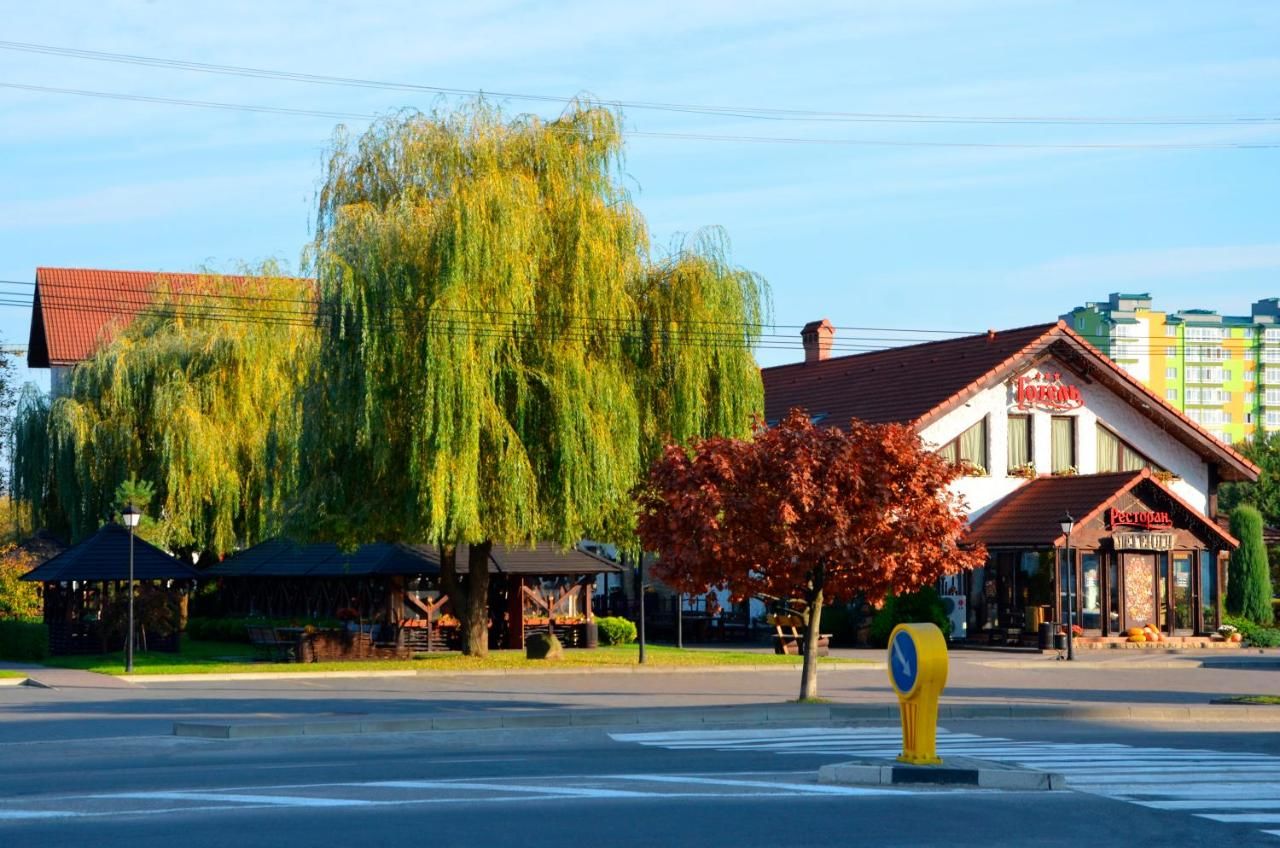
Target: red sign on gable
[(1046, 391), (1145, 520)]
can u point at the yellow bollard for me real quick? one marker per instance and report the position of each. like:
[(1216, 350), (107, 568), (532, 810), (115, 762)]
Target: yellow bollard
[(918, 672)]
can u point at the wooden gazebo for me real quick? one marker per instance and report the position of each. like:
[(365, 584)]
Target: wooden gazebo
[(85, 591), (397, 586)]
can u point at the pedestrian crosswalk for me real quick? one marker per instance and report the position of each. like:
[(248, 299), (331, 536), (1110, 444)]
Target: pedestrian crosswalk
[(1240, 788)]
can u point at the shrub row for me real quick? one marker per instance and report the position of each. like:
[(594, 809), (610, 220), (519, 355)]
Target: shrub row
[(1257, 635), (23, 640), (616, 630)]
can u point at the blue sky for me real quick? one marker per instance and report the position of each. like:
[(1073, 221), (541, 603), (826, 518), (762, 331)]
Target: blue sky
[(936, 237)]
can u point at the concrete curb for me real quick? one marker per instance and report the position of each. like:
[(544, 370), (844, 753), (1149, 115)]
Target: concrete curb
[(13, 681), (955, 771), (1188, 663), (515, 672), (833, 714)]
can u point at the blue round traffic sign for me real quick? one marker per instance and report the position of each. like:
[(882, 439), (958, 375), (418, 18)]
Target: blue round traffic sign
[(904, 666)]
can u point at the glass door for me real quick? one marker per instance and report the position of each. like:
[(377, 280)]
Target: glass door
[(1183, 609), (1091, 593)]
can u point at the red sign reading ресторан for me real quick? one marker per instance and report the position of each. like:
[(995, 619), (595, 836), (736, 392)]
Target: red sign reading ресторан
[(1147, 520)]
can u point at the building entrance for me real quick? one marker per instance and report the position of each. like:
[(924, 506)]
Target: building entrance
[(1139, 572)]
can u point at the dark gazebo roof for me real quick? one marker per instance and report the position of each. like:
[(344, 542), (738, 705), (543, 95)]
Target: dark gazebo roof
[(283, 558), (105, 556)]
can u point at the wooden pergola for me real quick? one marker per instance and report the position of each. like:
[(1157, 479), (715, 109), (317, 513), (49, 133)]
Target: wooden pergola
[(85, 590), (397, 588)]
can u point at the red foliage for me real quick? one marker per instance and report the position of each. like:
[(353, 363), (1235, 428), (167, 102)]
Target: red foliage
[(801, 509)]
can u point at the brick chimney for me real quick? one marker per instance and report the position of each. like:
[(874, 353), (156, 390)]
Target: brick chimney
[(817, 337)]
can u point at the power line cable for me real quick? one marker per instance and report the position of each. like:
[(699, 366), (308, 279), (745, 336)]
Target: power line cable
[(755, 112), (678, 136)]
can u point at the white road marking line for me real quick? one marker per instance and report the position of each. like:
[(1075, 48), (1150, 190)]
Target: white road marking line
[(271, 800), (566, 791), (1242, 818), (804, 788), (1211, 804), (1209, 791), (10, 815)]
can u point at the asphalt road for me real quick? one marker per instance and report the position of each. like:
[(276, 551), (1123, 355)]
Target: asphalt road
[(736, 786), (90, 706)]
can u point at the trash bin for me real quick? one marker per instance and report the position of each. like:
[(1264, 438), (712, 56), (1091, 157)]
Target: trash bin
[(1046, 635), (1059, 641), (592, 639)]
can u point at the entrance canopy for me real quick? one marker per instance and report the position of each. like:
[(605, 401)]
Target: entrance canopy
[(104, 556), (1129, 505)]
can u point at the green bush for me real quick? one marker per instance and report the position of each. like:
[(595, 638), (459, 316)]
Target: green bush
[(616, 630), (543, 646), (925, 605), (1257, 635), (23, 640)]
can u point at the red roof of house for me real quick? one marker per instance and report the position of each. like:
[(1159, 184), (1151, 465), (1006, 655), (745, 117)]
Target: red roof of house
[(917, 384), (899, 384), (1031, 514), (78, 309)]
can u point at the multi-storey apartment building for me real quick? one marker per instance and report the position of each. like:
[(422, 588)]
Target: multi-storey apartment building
[(1222, 371)]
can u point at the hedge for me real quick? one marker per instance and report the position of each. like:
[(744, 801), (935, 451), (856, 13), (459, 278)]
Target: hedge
[(23, 640)]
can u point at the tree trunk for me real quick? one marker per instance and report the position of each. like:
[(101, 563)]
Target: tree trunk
[(809, 672), (469, 595)]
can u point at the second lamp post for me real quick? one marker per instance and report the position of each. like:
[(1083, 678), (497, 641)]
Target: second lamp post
[(1068, 524), (131, 517)]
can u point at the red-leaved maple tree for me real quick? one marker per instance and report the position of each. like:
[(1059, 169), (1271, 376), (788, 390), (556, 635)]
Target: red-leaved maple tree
[(808, 512)]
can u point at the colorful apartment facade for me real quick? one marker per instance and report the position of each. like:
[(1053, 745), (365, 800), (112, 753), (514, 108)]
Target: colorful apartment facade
[(1222, 371)]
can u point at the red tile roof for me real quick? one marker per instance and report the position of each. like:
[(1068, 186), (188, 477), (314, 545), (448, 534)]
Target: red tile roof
[(78, 309), (1031, 514), (900, 384), (917, 384)]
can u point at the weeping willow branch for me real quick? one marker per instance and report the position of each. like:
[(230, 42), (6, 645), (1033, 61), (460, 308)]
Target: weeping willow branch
[(207, 409)]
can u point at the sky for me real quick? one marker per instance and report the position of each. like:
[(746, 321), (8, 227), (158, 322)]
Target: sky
[(872, 224)]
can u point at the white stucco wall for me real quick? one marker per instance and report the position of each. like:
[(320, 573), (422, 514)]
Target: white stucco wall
[(1100, 404)]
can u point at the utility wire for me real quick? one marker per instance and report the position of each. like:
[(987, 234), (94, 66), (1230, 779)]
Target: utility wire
[(679, 136), (754, 112)]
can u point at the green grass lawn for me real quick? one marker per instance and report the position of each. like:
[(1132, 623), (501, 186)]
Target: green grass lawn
[(233, 657), (7, 673), (1249, 699)]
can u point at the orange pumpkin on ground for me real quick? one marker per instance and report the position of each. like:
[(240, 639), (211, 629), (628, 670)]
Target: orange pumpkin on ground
[(1137, 637), (1236, 637)]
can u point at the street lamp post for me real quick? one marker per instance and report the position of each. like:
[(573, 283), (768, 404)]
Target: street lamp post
[(1068, 524), (131, 517), (641, 563)]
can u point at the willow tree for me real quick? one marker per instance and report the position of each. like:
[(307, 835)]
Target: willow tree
[(500, 356), (200, 394)]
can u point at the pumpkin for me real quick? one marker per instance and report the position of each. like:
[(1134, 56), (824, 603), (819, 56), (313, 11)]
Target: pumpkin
[(1136, 631), (1137, 637), (1236, 637)]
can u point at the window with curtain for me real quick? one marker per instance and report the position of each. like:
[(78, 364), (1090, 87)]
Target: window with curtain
[(1115, 454), (970, 448), (1063, 443), (1019, 441)]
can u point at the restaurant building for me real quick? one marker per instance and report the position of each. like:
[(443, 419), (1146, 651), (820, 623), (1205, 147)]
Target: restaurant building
[(1046, 425)]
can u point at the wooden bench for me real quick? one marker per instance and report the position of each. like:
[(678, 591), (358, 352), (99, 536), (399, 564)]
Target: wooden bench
[(793, 642), (269, 643)]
